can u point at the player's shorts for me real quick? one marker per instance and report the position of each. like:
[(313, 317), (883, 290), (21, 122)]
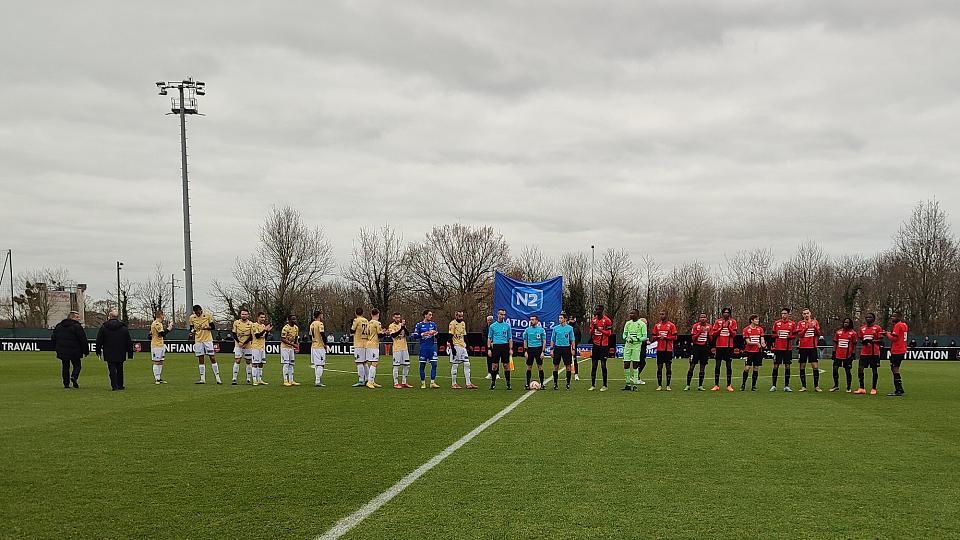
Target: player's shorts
[(754, 359), (562, 354), (203, 348), (701, 354), (664, 357), (157, 353), (258, 356), (401, 358), (459, 355), (632, 352), (869, 361), (782, 357), (318, 357), (600, 352), (896, 359), (500, 353), (725, 353), (428, 354), (288, 356), (534, 354), (808, 356), (845, 363), (373, 354), (359, 355)]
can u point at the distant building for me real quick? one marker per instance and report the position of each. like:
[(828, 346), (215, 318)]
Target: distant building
[(62, 300)]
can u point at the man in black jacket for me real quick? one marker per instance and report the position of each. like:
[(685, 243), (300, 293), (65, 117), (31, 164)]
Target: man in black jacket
[(70, 342), (115, 346)]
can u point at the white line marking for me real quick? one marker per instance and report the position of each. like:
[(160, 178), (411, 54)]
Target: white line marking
[(343, 526)]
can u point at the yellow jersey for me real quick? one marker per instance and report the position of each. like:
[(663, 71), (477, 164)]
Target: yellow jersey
[(399, 342), (291, 334), (243, 331), (316, 335), (372, 338), (156, 340), (458, 331), (258, 343), (358, 328), (201, 327)]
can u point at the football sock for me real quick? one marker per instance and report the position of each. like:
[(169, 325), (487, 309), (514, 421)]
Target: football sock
[(603, 369), (729, 373), (836, 376), (506, 375), (786, 376), (716, 374), (744, 383), (318, 373), (541, 378), (875, 377), (203, 372), (803, 377), (423, 376), (816, 377), (755, 374), (670, 373), (406, 370), (849, 377), (433, 370), (236, 370), (776, 373), (659, 374), (396, 374), (593, 372), (556, 377), (156, 371), (529, 373), (643, 364), (466, 371), (371, 374), (690, 375), (898, 382), (453, 373), (361, 372), (249, 372), (569, 374), (702, 370), (860, 378)]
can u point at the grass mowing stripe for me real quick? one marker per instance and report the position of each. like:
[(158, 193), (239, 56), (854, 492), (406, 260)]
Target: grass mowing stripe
[(343, 526)]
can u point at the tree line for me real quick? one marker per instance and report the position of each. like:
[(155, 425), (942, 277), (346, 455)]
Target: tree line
[(451, 267)]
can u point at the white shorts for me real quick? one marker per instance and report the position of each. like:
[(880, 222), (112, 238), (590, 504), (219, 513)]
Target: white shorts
[(204, 348), (156, 353), (242, 353), (373, 355), (318, 357), (288, 356), (459, 354), (258, 356), (361, 354), (401, 358)]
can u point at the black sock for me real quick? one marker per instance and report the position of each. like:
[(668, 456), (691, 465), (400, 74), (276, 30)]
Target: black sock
[(593, 372), (803, 377), (836, 376), (729, 373), (689, 375), (744, 383), (786, 376), (754, 382), (898, 382), (816, 377), (603, 368), (528, 377), (860, 377), (643, 364), (556, 377), (776, 373), (716, 374), (669, 373), (541, 378), (506, 375), (849, 377), (701, 375), (569, 374), (659, 374), (876, 376)]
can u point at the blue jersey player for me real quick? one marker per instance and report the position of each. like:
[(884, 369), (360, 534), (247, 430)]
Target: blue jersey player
[(426, 331)]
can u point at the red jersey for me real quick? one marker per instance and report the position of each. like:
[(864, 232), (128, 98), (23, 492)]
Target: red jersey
[(751, 338), (700, 334), (898, 338), (844, 343), (723, 331), (870, 337), (665, 334), (783, 333), (808, 332), (600, 330)]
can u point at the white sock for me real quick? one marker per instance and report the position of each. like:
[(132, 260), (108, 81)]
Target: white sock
[(156, 371), (466, 371), (291, 371), (216, 370), (203, 372), (453, 373), (362, 372), (406, 369), (236, 370), (396, 374), (249, 372), (256, 377), (319, 372), (372, 374)]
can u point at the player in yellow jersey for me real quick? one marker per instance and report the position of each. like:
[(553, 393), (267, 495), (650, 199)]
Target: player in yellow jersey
[(318, 347), (401, 355), (372, 346), (242, 335), (258, 347), (457, 348), (157, 349), (201, 326), (289, 342), (358, 328)]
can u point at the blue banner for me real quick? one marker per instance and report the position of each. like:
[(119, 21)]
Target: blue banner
[(521, 299)]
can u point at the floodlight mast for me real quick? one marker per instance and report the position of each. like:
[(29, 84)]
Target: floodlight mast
[(182, 106)]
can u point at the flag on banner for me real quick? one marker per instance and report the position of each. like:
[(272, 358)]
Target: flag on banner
[(522, 299)]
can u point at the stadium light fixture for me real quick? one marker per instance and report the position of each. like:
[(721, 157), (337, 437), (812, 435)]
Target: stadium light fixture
[(119, 265), (184, 103)]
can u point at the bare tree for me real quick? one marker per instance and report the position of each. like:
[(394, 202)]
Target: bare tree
[(927, 249), (650, 283), (377, 266), (746, 274), (152, 294), (34, 303), (849, 278), (696, 289), (807, 270), (454, 265), (617, 281), (533, 265), (575, 268)]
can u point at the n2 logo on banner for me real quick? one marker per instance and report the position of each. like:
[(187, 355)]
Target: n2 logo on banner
[(527, 300), (521, 299)]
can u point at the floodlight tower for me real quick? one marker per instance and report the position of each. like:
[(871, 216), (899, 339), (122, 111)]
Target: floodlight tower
[(183, 104)]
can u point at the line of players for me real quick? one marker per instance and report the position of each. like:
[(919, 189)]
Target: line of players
[(718, 337)]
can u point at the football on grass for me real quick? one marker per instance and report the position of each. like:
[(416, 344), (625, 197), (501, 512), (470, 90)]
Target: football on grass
[(534, 385)]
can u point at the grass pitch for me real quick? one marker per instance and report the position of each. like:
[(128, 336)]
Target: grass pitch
[(188, 461)]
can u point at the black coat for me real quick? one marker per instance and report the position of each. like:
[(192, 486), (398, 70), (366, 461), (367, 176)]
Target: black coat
[(113, 342), (69, 340)]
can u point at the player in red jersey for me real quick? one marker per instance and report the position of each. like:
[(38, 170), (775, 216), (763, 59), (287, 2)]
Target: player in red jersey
[(723, 331), (844, 344), (754, 343), (665, 332), (600, 329), (871, 334), (808, 330), (784, 330), (898, 350), (700, 338)]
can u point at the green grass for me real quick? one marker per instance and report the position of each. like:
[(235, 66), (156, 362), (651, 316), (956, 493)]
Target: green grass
[(188, 461)]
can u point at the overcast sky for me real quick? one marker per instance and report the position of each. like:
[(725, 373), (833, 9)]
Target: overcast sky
[(679, 129)]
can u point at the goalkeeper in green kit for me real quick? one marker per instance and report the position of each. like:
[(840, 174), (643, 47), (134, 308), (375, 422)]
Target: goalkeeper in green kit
[(634, 334)]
